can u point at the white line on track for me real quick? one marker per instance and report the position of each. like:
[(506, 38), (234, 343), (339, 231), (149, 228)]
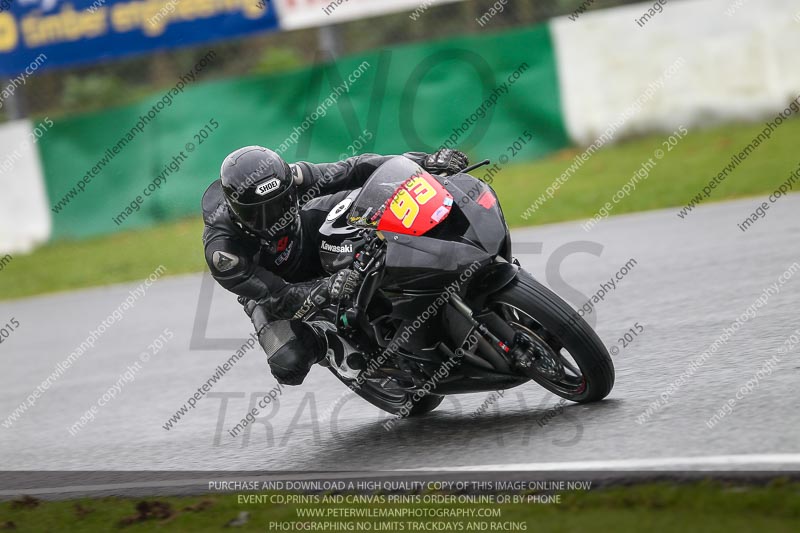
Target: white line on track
[(715, 462)]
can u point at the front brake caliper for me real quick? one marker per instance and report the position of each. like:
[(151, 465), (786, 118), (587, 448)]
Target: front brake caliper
[(522, 351), (534, 355)]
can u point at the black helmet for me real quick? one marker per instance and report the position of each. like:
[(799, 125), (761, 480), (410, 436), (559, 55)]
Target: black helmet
[(260, 190)]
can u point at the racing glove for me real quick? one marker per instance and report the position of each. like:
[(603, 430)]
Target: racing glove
[(446, 161), (330, 291), (298, 299)]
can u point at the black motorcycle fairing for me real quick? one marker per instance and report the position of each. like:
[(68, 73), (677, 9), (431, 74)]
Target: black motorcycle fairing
[(489, 280), (410, 305), (479, 204), (339, 240), (428, 263), (474, 200), (417, 271), (484, 381)]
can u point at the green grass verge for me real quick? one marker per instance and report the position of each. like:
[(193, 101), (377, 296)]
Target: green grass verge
[(127, 256), (708, 507), (672, 183), (675, 180)]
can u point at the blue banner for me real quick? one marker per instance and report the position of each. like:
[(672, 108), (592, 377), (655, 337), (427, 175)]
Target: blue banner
[(55, 33)]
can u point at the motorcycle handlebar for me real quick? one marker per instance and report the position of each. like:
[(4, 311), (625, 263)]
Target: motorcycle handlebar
[(476, 165)]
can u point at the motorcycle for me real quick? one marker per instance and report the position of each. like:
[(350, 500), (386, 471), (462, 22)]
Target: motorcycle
[(444, 308)]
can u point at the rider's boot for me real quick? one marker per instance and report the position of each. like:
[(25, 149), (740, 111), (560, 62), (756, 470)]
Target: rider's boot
[(291, 363)]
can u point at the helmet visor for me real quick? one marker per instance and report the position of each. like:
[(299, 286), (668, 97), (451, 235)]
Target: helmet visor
[(271, 217)]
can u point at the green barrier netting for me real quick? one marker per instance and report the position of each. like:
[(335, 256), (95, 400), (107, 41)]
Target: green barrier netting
[(405, 98)]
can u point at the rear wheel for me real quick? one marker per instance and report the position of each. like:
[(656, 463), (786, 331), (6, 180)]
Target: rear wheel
[(387, 394), (558, 349)]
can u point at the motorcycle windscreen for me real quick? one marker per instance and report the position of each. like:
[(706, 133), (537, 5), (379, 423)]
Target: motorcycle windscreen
[(479, 204), (401, 197)]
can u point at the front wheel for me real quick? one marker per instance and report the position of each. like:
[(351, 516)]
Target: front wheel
[(562, 352)]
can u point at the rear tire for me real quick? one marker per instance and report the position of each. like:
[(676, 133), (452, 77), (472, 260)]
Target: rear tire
[(564, 330), (392, 399)]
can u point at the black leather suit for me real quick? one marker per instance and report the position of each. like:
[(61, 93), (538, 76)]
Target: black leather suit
[(279, 273)]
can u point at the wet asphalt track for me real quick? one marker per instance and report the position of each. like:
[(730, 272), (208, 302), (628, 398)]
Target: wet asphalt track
[(693, 277)]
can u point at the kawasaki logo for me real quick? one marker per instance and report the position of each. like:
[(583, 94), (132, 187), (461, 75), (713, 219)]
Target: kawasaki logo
[(338, 249), (268, 186)]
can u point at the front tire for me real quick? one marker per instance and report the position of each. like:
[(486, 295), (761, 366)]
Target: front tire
[(534, 311)]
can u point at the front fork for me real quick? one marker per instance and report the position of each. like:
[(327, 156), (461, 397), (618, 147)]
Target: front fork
[(467, 313), (498, 350)]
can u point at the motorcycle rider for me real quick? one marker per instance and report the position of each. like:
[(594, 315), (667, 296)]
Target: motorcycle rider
[(261, 240)]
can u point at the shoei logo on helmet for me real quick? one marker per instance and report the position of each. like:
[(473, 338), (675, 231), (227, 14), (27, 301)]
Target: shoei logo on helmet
[(268, 186)]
